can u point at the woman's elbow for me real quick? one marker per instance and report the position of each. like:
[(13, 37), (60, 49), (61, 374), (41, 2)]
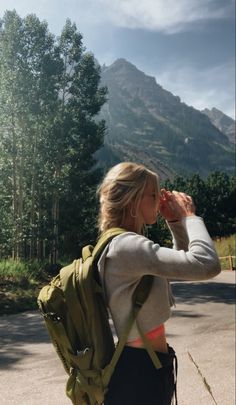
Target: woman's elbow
[(213, 268)]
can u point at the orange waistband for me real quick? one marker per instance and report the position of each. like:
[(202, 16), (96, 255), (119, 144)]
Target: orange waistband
[(151, 335)]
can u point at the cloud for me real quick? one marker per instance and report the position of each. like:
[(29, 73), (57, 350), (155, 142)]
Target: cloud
[(206, 88), (169, 16)]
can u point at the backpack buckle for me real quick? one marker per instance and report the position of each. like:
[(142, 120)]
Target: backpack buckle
[(52, 316)]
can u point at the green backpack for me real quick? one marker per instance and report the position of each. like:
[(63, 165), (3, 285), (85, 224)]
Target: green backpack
[(77, 320)]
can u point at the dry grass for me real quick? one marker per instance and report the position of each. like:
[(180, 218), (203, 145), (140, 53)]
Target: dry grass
[(226, 247)]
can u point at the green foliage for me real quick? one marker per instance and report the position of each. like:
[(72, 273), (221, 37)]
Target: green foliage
[(214, 198), (49, 98), (160, 233)]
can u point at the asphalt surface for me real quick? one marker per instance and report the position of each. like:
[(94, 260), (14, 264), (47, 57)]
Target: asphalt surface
[(202, 331)]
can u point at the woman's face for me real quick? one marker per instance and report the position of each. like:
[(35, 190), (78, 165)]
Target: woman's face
[(149, 204)]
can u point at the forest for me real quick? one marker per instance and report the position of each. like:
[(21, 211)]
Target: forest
[(50, 97)]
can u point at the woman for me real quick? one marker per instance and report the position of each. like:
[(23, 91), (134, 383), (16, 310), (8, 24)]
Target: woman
[(130, 198)]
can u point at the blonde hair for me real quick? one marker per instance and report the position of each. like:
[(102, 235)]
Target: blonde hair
[(121, 192)]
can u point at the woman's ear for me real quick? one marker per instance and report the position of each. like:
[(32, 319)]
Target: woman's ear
[(132, 210), (130, 217)]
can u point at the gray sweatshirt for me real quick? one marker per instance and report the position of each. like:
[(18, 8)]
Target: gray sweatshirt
[(129, 256)]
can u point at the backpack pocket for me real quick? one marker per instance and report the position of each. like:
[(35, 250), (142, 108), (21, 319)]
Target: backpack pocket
[(85, 385)]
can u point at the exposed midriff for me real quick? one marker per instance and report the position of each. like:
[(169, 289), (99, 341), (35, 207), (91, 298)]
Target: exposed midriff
[(156, 337)]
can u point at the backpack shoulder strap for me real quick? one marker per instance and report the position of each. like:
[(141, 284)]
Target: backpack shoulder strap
[(139, 297), (104, 239)]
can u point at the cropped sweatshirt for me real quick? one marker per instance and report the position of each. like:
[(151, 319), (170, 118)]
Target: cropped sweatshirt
[(129, 256)]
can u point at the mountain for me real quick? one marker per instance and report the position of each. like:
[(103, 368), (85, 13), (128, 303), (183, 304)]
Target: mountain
[(148, 124), (222, 121)]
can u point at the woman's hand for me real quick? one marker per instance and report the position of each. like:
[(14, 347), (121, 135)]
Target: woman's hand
[(175, 205)]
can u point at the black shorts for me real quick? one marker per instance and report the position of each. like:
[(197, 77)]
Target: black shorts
[(136, 381)]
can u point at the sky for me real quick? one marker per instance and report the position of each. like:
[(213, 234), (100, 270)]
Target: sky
[(187, 45)]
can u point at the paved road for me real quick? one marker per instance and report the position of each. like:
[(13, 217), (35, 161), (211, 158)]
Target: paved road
[(203, 324)]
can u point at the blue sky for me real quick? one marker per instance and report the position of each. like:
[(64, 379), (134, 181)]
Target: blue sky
[(188, 45)]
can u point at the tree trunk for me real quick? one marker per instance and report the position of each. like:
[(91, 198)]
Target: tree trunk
[(20, 213), (33, 198), (55, 221), (15, 248)]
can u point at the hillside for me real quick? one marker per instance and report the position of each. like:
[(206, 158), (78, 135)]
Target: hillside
[(148, 124)]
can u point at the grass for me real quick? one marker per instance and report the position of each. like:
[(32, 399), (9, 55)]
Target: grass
[(20, 270), (20, 282), (226, 247)]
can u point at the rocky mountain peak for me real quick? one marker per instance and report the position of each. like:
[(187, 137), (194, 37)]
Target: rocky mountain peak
[(221, 121), (146, 122)]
